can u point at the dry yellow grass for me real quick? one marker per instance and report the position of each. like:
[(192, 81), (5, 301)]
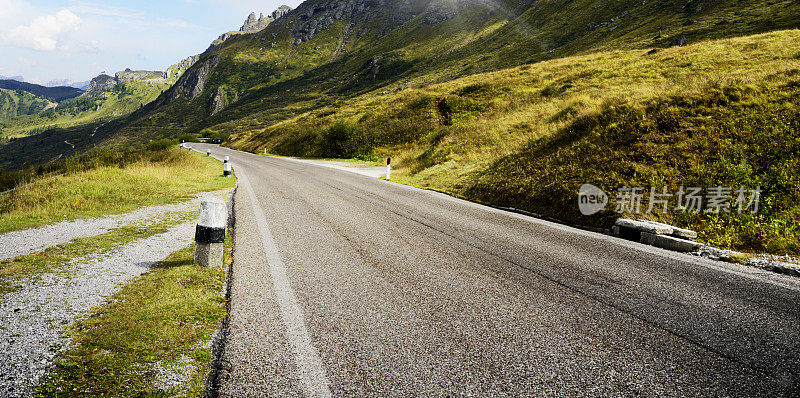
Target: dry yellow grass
[(111, 190)]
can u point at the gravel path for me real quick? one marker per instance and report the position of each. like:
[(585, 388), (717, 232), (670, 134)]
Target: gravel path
[(19, 243), (34, 319)]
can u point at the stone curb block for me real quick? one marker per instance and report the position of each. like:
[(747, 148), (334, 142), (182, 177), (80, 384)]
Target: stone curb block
[(670, 242), (678, 232), (642, 226)]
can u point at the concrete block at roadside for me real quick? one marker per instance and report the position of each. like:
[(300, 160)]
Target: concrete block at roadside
[(669, 242), (626, 228), (644, 226), (678, 232)]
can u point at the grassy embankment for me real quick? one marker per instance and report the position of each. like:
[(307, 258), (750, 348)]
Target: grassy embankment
[(156, 328), (721, 112), (146, 178)]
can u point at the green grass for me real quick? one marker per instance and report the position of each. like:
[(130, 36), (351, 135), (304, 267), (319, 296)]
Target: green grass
[(56, 258), (175, 177), (720, 112), (166, 317)]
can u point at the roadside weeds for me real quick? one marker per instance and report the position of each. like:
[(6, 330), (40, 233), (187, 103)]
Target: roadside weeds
[(153, 337)]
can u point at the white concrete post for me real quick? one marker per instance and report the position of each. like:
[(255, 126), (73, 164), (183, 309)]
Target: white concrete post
[(388, 168), (226, 167), (209, 234), (265, 150)]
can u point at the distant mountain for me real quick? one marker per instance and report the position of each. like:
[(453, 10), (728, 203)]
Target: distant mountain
[(104, 83), (67, 83), (56, 94), (17, 78)]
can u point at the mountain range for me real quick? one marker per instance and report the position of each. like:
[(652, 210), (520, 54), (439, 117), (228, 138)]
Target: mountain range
[(325, 53), (55, 94)]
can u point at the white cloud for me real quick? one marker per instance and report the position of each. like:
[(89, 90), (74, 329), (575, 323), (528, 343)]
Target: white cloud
[(106, 11), (12, 9), (46, 33)]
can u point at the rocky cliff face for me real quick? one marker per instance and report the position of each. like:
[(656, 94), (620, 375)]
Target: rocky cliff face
[(142, 75), (103, 83), (281, 11), (253, 24), (312, 17), (99, 85), (192, 83), (175, 71)]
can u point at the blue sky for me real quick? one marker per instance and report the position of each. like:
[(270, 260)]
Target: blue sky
[(76, 40)]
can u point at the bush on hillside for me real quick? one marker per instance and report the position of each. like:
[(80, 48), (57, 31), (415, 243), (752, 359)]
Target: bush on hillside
[(161, 144)]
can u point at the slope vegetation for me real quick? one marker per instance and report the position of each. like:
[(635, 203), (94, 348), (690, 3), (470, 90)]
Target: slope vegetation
[(508, 102), (717, 113), (15, 103)]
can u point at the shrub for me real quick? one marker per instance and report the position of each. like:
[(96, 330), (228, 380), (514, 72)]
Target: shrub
[(339, 140), (161, 145), (188, 138)]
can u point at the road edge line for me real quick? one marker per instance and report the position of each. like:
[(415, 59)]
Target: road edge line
[(312, 375)]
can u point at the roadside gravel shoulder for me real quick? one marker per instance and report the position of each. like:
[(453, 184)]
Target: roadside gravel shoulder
[(34, 319), (19, 243)]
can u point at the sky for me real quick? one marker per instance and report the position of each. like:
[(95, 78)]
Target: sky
[(77, 40)]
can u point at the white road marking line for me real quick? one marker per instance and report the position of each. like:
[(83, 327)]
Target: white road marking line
[(312, 375)]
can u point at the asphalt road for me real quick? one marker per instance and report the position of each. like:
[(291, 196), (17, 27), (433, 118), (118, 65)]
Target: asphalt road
[(346, 285)]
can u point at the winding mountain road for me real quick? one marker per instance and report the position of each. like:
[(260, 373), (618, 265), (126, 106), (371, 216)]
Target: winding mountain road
[(347, 285)]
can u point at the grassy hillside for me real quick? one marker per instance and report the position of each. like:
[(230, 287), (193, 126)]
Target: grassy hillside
[(15, 103), (120, 101), (722, 112)]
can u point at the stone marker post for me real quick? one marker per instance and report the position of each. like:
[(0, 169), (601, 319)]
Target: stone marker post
[(226, 167), (210, 233), (388, 168), (208, 152)]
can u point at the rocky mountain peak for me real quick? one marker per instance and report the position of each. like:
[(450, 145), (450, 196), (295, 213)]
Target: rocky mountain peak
[(281, 11), (255, 24), (312, 17)]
